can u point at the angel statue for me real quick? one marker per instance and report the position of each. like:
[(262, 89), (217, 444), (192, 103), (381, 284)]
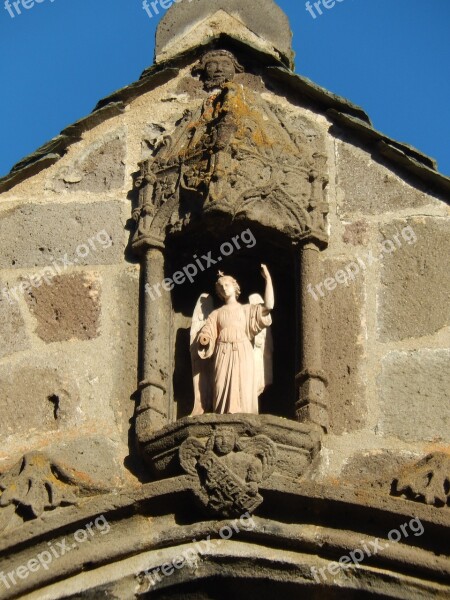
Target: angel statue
[(231, 349)]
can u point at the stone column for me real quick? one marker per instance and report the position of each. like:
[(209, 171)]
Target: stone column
[(311, 404), (153, 412)]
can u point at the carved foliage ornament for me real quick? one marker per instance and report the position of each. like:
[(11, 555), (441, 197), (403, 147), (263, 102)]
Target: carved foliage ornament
[(234, 155), (229, 469), (34, 485), (427, 481)]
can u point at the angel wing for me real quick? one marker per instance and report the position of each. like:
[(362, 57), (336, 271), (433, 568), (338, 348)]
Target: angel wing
[(265, 450), (190, 451), (263, 353), (202, 370)]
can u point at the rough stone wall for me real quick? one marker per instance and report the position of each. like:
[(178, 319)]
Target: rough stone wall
[(68, 336), (386, 332), (69, 348)]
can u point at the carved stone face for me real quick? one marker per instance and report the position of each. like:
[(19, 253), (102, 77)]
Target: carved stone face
[(227, 287), (218, 70), (224, 441)]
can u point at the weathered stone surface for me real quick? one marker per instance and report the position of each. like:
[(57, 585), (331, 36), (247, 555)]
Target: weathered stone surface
[(194, 89), (356, 234), (263, 18), (414, 393), (124, 314), (370, 188), (414, 297), (33, 235), (34, 399), (68, 308), (343, 350), (99, 168), (72, 398), (13, 336), (94, 458), (375, 469)]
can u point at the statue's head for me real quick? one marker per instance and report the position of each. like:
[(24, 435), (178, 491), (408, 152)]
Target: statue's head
[(225, 441), (217, 67), (226, 287)]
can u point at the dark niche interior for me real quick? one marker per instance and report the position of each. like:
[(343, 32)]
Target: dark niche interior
[(243, 263)]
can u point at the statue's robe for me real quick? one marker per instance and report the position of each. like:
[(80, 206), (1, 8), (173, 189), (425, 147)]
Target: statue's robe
[(232, 329)]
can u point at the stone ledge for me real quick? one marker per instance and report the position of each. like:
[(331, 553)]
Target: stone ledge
[(297, 444)]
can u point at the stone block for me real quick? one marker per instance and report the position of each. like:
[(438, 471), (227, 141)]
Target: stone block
[(375, 470), (67, 308), (34, 399), (343, 350), (38, 235), (370, 188), (356, 234), (414, 297), (99, 168), (13, 335), (265, 19), (414, 396), (92, 459), (124, 321)]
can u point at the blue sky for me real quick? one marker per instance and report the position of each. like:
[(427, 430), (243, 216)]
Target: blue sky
[(389, 56)]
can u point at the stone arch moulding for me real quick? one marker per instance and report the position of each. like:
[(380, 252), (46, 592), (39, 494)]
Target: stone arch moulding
[(234, 159), (295, 541)]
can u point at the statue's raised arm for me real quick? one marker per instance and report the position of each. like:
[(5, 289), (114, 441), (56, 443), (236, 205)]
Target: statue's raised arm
[(269, 296)]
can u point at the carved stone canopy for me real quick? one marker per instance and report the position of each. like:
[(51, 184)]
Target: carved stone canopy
[(234, 156)]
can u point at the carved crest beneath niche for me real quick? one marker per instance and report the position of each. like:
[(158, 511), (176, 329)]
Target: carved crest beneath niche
[(234, 156), (229, 469)]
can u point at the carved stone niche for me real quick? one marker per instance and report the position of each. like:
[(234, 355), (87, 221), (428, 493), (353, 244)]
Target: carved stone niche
[(235, 164), (229, 457)]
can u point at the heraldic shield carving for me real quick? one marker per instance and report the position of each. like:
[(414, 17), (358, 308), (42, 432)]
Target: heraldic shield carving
[(229, 469)]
